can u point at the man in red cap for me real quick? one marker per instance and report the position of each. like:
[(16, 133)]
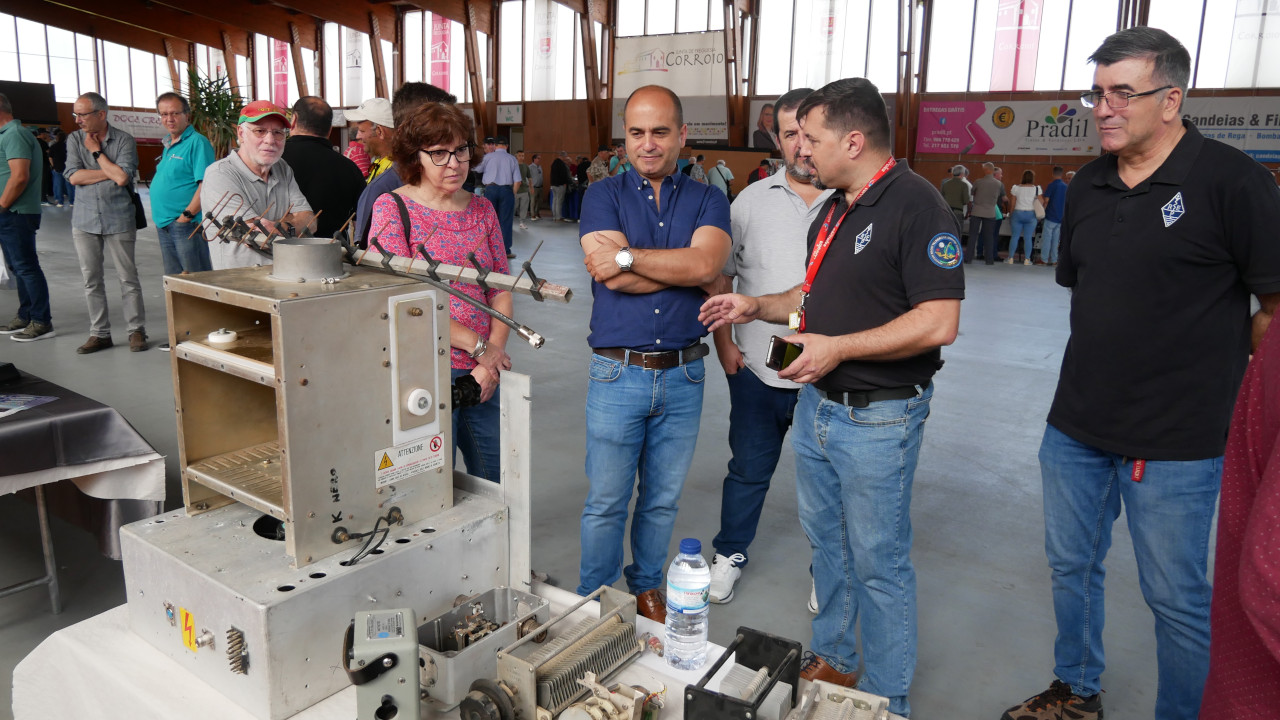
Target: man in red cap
[(251, 184)]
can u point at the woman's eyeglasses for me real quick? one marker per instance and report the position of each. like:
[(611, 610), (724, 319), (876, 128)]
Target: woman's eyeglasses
[(441, 157)]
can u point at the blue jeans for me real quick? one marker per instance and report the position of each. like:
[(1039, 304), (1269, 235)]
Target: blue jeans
[(854, 471), (477, 431), (759, 417), (982, 235), (1024, 226), (182, 252), (1169, 514), (1049, 241), (639, 422), (18, 243), (504, 204), (63, 190)]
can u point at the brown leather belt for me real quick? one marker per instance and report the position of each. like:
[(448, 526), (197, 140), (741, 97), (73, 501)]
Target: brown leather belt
[(863, 398), (654, 360)]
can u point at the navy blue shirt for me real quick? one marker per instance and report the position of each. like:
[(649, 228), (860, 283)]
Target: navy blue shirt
[(666, 319), (1057, 195)]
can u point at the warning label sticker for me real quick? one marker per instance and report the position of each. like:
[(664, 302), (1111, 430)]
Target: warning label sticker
[(404, 461)]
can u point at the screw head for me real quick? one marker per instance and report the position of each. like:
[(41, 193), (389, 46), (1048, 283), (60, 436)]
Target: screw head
[(387, 662)]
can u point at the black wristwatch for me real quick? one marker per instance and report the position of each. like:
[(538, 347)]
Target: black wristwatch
[(188, 215), (96, 153)]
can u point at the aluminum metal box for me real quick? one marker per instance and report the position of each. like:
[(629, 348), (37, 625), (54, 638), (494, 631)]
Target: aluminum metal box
[(329, 408), (199, 586)]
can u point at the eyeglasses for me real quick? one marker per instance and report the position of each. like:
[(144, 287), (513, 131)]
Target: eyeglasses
[(171, 114), (260, 133), (81, 116), (1116, 99), (441, 157)]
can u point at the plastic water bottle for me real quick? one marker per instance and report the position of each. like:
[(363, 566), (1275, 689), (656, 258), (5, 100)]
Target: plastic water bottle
[(688, 585)]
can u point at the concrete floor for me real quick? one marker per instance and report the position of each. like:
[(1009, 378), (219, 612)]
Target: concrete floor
[(986, 622)]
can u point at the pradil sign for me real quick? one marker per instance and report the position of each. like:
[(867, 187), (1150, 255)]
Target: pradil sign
[(1024, 127)]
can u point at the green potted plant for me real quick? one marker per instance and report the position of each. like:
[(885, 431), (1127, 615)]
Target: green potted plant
[(215, 109)]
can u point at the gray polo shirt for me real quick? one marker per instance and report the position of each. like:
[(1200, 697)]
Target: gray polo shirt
[(104, 207), (229, 177), (986, 193), (770, 225)]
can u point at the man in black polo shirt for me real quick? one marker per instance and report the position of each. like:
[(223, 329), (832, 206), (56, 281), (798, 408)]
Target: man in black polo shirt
[(881, 296), (330, 181), (1163, 240)]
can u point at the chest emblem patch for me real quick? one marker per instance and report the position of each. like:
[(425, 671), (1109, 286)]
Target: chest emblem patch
[(1173, 210), (863, 239), (944, 251)]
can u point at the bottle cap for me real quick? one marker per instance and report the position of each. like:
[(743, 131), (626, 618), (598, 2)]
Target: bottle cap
[(690, 546)]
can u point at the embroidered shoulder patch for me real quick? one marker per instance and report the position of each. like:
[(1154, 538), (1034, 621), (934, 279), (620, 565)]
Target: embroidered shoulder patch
[(944, 251)]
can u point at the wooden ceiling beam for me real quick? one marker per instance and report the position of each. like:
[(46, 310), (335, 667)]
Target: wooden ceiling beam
[(160, 20), (456, 11), (93, 26), (270, 20), (350, 13)]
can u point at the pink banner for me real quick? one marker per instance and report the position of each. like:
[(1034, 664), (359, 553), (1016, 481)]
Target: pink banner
[(280, 73), (440, 33), (1013, 65)]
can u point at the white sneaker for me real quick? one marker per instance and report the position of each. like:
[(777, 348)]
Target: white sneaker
[(523, 226), (724, 575), (813, 597)]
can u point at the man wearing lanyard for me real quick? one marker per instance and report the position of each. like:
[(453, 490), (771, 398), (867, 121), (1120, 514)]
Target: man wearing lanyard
[(653, 240), (768, 255), (880, 297)]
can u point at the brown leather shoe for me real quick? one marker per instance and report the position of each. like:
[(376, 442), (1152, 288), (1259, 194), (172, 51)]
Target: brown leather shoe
[(94, 344), (815, 668), (652, 605), (137, 341)]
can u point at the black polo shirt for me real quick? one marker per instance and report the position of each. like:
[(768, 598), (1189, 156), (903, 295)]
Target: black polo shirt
[(328, 180), (1160, 277), (897, 249)]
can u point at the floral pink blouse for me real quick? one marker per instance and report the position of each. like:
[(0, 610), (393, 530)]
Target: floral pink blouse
[(474, 229)]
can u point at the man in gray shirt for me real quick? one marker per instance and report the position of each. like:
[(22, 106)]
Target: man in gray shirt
[(768, 256), (986, 193), (252, 183), (101, 161)]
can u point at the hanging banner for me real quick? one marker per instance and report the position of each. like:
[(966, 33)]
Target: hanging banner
[(544, 50), (440, 34), (692, 65), (1013, 64), (280, 73), (1253, 41), (352, 92), (1251, 124), (145, 127), (824, 62), (1025, 127)]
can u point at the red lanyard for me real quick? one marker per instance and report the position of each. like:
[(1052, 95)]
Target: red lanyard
[(828, 233)]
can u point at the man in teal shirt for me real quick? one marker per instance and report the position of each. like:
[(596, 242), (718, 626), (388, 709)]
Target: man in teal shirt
[(175, 191), (21, 175)]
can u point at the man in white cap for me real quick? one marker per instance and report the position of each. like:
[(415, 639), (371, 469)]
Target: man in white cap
[(375, 126), (252, 183)]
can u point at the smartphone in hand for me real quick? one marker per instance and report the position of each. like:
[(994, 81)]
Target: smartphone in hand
[(781, 353)]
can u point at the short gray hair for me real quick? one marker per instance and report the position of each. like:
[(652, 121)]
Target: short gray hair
[(1171, 63), (99, 103), (959, 171), (6, 107)]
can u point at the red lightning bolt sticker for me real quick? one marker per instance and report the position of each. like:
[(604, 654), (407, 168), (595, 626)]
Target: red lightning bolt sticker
[(188, 629)]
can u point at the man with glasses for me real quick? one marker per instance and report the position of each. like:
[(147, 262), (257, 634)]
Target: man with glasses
[(175, 190), (101, 161), (1163, 240), (252, 183)]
